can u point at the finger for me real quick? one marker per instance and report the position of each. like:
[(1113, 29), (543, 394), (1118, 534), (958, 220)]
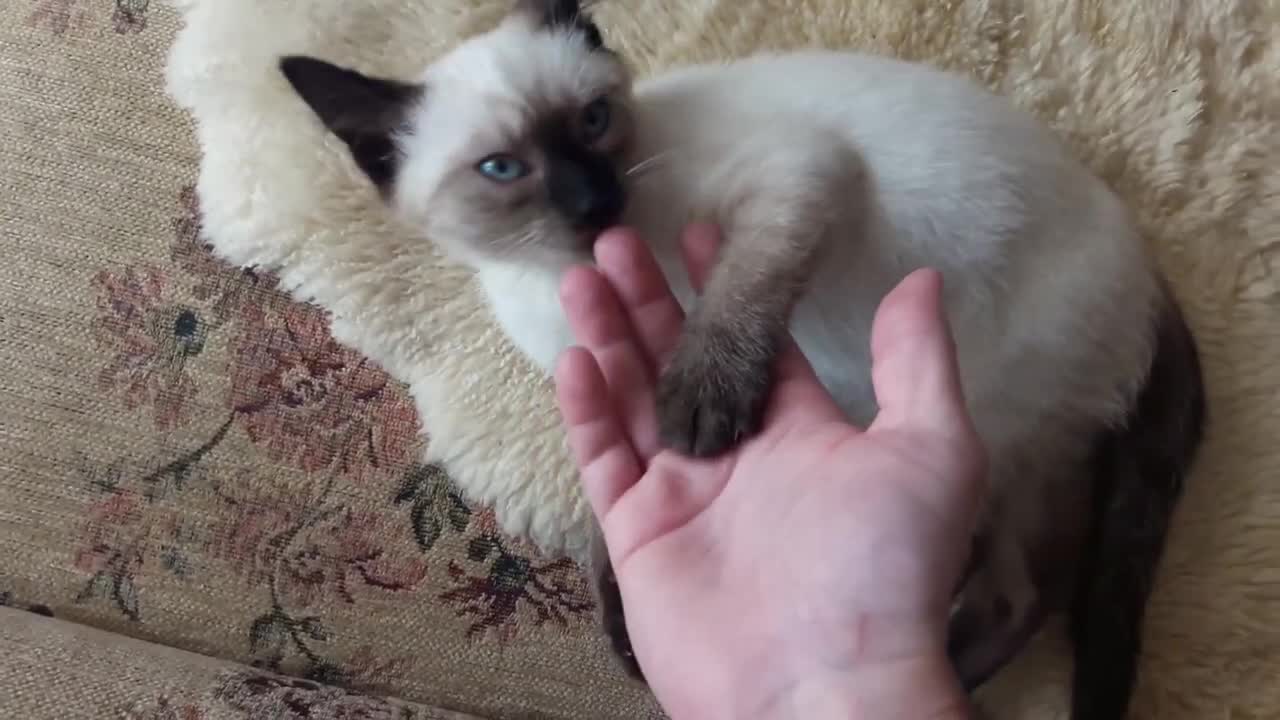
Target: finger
[(597, 438), (913, 358), (655, 315), (672, 493), (699, 245), (600, 325)]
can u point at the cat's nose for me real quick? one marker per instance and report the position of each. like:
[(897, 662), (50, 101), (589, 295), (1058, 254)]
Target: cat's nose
[(589, 195), (598, 208)]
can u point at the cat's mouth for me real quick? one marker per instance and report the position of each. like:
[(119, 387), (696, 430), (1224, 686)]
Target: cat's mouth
[(586, 235)]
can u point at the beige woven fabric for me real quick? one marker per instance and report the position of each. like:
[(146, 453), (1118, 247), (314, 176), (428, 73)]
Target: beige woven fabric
[(55, 670), (1175, 103), (188, 458)]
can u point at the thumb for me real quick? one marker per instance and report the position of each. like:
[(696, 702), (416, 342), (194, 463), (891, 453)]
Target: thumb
[(913, 359)]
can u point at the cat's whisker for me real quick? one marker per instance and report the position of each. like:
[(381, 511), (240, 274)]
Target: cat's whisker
[(648, 162), (512, 242), (642, 180), (523, 238)]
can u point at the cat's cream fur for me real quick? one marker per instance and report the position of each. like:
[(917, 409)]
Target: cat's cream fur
[(834, 175)]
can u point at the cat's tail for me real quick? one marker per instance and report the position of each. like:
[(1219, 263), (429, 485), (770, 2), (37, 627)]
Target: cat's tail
[(1142, 466)]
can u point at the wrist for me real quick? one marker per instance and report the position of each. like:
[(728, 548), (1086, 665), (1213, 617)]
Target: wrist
[(884, 671), (923, 688)]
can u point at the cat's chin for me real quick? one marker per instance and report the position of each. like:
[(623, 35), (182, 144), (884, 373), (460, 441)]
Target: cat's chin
[(586, 237), (553, 251), (549, 260)]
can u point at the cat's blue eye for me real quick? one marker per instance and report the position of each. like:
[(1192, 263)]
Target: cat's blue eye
[(595, 119), (502, 168)]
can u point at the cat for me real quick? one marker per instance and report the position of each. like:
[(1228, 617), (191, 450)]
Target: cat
[(833, 175)]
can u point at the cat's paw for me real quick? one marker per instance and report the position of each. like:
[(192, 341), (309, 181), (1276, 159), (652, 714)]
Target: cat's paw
[(713, 392), (989, 625), (612, 619), (614, 622)]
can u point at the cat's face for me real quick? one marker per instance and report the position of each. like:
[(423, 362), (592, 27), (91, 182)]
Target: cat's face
[(511, 145)]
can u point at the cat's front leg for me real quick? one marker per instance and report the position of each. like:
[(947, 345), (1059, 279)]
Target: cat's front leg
[(713, 392), (777, 214)]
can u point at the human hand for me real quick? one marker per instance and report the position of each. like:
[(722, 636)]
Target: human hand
[(807, 573)]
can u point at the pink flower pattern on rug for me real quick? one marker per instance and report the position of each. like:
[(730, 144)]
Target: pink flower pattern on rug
[(313, 403), (241, 385), (150, 337), (73, 17)]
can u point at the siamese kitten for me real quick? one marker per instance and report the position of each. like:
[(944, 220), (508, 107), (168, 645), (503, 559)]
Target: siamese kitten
[(833, 176)]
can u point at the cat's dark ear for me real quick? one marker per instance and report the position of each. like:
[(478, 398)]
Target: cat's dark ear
[(561, 15), (364, 111)]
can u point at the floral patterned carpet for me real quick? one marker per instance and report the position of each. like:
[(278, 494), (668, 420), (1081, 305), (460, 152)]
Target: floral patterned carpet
[(188, 457), (118, 677), (175, 340)]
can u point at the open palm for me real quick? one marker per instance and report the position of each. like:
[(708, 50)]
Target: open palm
[(814, 547)]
